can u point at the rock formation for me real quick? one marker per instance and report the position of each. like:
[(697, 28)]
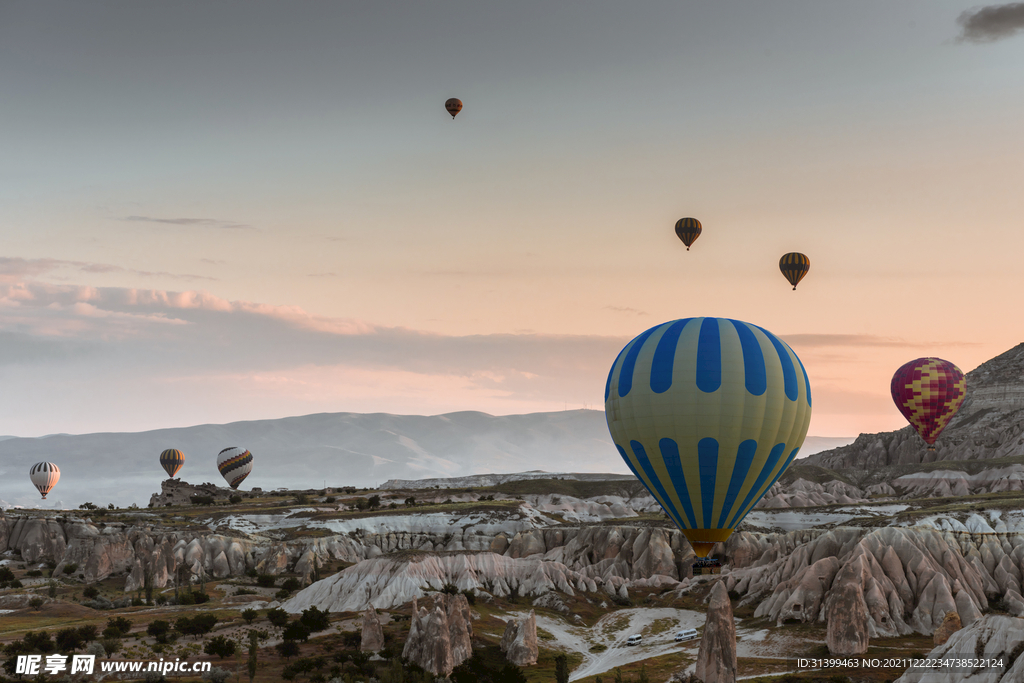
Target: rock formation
[(373, 634), (716, 658), (440, 639), (846, 612), (519, 642), (179, 492), (991, 637), (908, 578), (990, 424), (950, 625)]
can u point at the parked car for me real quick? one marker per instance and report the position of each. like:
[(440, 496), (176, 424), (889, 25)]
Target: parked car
[(686, 634), (634, 640)]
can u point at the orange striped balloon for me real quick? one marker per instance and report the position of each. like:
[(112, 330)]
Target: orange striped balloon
[(794, 266), (688, 230), (171, 460)]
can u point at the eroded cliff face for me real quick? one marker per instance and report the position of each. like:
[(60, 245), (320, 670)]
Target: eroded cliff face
[(904, 579), (990, 424), (609, 556)]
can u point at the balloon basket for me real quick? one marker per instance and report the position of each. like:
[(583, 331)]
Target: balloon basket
[(706, 567)]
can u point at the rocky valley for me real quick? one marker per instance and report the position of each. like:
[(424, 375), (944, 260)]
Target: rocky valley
[(877, 550)]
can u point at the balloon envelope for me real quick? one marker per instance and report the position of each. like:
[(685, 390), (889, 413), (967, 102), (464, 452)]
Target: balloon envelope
[(708, 413), (171, 460), (234, 464), (453, 106), (44, 476), (794, 266), (929, 392), (688, 230)]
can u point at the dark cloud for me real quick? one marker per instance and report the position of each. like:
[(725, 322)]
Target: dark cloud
[(192, 222), (992, 22)]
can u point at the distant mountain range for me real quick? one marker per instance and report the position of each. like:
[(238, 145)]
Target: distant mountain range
[(336, 449)]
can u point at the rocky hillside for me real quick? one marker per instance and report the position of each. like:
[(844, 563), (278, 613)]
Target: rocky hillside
[(990, 425)]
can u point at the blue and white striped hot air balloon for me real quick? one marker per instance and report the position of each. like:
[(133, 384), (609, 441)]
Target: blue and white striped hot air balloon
[(708, 413)]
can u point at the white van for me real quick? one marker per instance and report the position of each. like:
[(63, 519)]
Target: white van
[(686, 634), (634, 640)]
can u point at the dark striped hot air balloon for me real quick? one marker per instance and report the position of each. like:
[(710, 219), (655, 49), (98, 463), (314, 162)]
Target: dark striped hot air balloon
[(44, 476), (929, 392), (794, 266), (688, 230), (171, 460), (234, 464), (453, 106), (707, 413)]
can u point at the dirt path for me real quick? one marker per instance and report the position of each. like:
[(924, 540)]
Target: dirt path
[(613, 629)]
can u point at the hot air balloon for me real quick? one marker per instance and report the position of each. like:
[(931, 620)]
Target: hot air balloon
[(453, 105), (929, 391), (794, 266), (171, 460), (708, 413), (44, 476), (688, 230), (234, 464)]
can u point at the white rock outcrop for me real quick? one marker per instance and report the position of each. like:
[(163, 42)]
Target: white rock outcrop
[(519, 642)]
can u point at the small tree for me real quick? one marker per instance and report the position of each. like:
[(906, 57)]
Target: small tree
[(277, 617), (253, 650), (373, 501), (51, 589), (296, 630), (249, 615), (288, 648), (36, 603), (147, 583), (315, 619), (69, 640), (410, 501), (90, 592), (220, 646), (120, 625), (159, 629), (561, 669)]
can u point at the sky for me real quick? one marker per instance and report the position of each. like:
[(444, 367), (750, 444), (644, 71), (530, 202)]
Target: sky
[(246, 210)]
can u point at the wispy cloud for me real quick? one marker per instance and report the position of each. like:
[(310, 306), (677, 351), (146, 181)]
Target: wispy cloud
[(192, 222), (992, 22), (862, 340), (12, 269), (626, 309)]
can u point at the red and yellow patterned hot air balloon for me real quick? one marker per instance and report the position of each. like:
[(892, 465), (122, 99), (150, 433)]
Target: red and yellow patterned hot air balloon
[(929, 391)]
